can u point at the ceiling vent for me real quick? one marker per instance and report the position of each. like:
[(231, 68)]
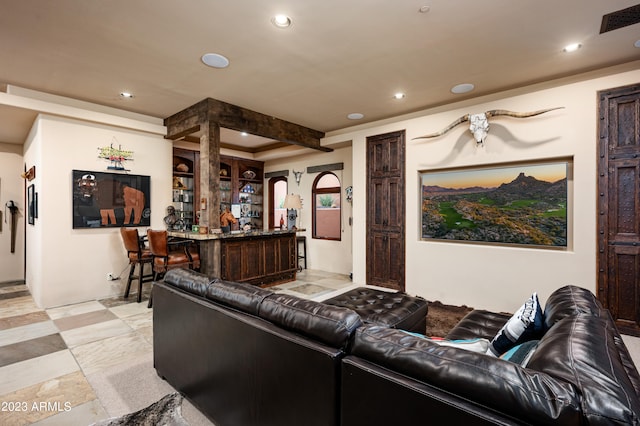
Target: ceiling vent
[(620, 19)]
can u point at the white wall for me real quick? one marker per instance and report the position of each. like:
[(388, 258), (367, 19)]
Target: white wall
[(66, 265), (11, 188), (485, 276), (326, 255)]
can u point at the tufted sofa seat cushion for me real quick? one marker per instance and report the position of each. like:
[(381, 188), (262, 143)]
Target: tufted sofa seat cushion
[(188, 280), (332, 325), (395, 310)]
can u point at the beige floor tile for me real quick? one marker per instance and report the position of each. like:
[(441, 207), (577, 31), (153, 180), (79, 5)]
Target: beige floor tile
[(49, 398), (102, 354), (140, 320), (94, 332), (77, 321), (84, 414), (13, 289), (27, 332), (71, 310), (17, 306), (25, 319), (130, 309), (36, 370)]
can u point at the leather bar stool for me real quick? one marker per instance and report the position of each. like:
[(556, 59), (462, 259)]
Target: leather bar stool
[(138, 255), (301, 240), (168, 255)]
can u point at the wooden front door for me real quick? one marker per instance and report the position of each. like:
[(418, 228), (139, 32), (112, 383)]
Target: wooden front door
[(619, 205), (386, 210)]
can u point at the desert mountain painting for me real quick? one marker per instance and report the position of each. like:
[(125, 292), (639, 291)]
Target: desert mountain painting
[(508, 205)]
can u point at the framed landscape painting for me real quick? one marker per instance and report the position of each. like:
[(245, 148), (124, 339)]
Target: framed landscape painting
[(523, 204)]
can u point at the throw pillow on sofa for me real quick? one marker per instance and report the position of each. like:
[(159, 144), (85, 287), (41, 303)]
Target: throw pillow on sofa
[(522, 353), (474, 345), (526, 324)]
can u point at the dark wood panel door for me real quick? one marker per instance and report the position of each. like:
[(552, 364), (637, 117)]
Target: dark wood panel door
[(386, 210), (619, 206)]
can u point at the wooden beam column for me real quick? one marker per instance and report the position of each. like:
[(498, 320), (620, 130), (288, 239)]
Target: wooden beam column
[(210, 195)]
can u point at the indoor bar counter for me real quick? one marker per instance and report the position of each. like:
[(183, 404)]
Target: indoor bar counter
[(259, 257)]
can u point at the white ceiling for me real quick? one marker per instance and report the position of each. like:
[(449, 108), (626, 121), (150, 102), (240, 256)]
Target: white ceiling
[(338, 57)]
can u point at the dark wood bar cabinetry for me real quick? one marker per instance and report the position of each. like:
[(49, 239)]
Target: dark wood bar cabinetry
[(259, 259)]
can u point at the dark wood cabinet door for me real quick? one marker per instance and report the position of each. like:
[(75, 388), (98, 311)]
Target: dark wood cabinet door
[(389, 272), (619, 206), (386, 210), (385, 155)]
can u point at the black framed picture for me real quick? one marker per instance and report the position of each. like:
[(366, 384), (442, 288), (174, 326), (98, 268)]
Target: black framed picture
[(102, 199), (32, 206)]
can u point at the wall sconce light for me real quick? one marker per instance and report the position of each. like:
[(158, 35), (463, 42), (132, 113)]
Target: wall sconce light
[(349, 193)]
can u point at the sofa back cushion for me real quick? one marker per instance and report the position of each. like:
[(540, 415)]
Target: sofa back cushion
[(188, 280), (533, 397), (582, 350), (568, 301), (332, 325), (242, 296)]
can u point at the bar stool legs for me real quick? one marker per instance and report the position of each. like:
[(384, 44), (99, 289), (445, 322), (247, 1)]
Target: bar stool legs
[(301, 240)]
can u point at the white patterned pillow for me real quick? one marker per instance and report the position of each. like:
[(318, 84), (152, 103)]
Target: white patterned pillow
[(526, 324)]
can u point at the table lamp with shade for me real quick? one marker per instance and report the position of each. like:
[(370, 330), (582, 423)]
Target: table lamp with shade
[(292, 203)]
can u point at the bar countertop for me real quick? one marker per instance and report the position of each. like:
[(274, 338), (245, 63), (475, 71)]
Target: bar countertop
[(233, 234)]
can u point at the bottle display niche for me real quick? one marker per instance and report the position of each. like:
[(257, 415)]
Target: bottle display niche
[(183, 197), (186, 187), (241, 190)]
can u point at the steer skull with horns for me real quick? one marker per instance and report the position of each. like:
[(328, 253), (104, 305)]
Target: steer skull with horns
[(479, 123)]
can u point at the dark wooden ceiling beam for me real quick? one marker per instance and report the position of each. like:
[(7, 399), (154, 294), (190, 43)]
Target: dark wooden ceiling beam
[(243, 120), (184, 134)]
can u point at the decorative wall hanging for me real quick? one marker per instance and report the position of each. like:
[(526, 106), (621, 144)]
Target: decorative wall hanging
[(103, 199), (13, 211), (29, 174), (116, 156), (511, 204), (298, 176), (479, 123)]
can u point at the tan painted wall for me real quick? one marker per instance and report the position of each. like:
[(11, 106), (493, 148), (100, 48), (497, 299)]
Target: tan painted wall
[(486, 276)]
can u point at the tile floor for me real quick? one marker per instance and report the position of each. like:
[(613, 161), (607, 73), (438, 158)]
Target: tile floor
[(50, 358)]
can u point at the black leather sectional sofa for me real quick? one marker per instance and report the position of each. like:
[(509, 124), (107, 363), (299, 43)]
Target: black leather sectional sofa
[(246, 356)]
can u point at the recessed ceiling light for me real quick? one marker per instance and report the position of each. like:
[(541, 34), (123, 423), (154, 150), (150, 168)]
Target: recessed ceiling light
[(462, 88), (637, 43), (424, 9), (215, 60), (126, 95), (355, 116), (572, 47), (244, 134), (281, 21), (399, 95)]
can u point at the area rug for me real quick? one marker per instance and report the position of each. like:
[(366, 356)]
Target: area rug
[(441, 318), (166, 412)]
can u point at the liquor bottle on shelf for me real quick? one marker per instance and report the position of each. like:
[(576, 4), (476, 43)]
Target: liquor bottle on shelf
[(281, 221)]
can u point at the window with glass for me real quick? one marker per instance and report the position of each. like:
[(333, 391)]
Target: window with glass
[(277, 194), (327, 222)]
